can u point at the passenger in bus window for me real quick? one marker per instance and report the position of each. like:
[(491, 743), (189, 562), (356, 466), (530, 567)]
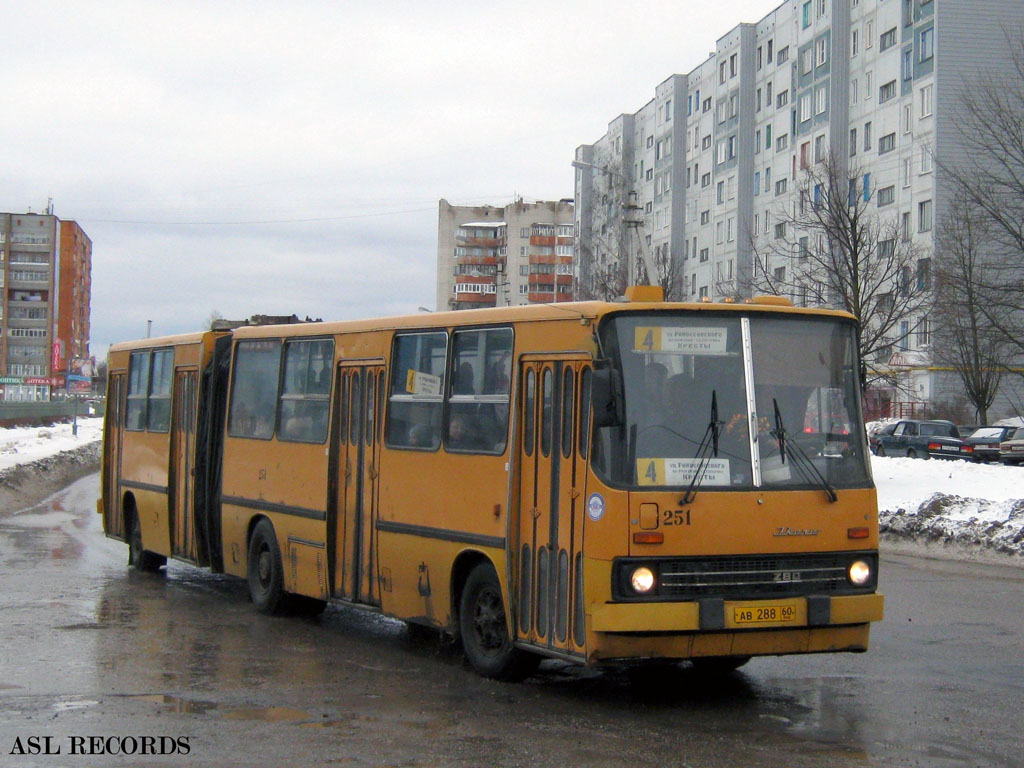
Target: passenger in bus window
[(464, 435), (496, 380)]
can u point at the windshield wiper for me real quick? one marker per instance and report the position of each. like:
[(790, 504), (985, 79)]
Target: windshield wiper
[(800, 460), (713, 431)]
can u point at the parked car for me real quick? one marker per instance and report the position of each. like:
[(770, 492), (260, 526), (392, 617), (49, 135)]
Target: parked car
[(985, 441), (873, 439), (1011, 450), (924, 439)]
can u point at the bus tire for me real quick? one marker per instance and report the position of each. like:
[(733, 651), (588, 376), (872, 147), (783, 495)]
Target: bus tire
[(484, 630), (138, 558), (265, 572)]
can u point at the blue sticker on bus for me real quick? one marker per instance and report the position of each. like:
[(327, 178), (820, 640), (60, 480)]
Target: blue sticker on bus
[(595, 507)]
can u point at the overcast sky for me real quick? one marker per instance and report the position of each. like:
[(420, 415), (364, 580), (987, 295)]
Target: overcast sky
[(251, 157)]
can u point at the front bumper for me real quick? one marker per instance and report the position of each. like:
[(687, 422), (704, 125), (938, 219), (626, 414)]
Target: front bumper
[(710, 628)]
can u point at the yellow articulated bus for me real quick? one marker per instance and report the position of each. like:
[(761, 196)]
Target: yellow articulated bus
[(594, 481)]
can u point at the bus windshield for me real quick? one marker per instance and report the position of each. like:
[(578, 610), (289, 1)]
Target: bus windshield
[(698, 406)]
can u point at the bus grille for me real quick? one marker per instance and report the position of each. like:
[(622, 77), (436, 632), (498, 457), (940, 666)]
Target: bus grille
[(754, 576)]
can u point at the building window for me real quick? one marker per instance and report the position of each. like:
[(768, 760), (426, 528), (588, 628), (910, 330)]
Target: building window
[(888, 40), (783, 55), (820, 100), (908, 117), (821, 52), (853, 142), (924, 276), (927, 46), (887, 143), (927, 161), (782, 142), (806, 15), (886, 196), (922, 332), (780, 230), (867, 136), (782, 99), (926, 101), (805, 107), (853, 92), (705, 216), (780, 187), (924, 216), (854, 43), (705, 180), (819, 148), (908, 64), (704, 254), (886, 92), (807, 61)]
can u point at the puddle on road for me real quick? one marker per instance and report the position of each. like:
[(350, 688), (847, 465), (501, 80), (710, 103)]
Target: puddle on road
[(269, 715), (176, 704), (192, 707)]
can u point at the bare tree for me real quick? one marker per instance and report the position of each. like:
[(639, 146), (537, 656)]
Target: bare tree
[(966, 340), (669, 273), (836, 244), (987, 175)]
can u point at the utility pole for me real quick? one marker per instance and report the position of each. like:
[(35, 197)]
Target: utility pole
[(633, 219)]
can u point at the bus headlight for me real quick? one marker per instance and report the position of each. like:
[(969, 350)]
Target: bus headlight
[(859, 573), (642, 580)]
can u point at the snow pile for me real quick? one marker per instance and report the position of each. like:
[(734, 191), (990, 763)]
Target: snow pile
[(951, 502), (21, 445)]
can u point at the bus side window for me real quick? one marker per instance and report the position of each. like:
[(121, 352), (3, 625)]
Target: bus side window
[(479, 399), (305, 398), (415, 393), (159, 416), (254, 389), (138, 391)]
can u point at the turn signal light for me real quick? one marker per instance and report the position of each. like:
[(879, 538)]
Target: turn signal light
[(651, 537)]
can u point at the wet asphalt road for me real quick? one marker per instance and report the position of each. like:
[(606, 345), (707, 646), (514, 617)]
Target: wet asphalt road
[(89, 649)]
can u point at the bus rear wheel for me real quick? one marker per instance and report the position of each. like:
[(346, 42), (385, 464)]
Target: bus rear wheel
[(138, 558), (484, 630), (265, 571)]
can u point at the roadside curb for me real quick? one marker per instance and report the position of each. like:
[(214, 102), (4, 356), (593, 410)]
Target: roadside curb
[(27, 484)]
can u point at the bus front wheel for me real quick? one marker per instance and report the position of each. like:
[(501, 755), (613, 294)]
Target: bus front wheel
[(138, 558), (265, 572), (484, 630)]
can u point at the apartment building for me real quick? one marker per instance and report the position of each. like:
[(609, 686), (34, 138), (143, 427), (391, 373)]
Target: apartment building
[(712, 165), (44, 316), (521, 253)]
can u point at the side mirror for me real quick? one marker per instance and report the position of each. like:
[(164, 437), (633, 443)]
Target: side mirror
[(607, 399)]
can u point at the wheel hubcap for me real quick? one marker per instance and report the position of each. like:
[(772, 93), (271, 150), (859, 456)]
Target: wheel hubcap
[(489, 620), (264, 567)]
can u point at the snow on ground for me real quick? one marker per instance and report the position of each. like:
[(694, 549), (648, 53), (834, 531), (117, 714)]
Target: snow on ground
[(21, 445), (948, 502), (951, 502)]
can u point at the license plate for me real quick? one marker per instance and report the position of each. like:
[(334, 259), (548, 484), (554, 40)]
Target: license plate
[(950, 448), (763, 614)]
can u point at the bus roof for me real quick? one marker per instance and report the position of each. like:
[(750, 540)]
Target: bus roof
[(581, 310)]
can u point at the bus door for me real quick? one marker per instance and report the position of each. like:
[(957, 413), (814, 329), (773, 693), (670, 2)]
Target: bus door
[(113, 524), (358, 482), (550, 509), (183, 434)]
